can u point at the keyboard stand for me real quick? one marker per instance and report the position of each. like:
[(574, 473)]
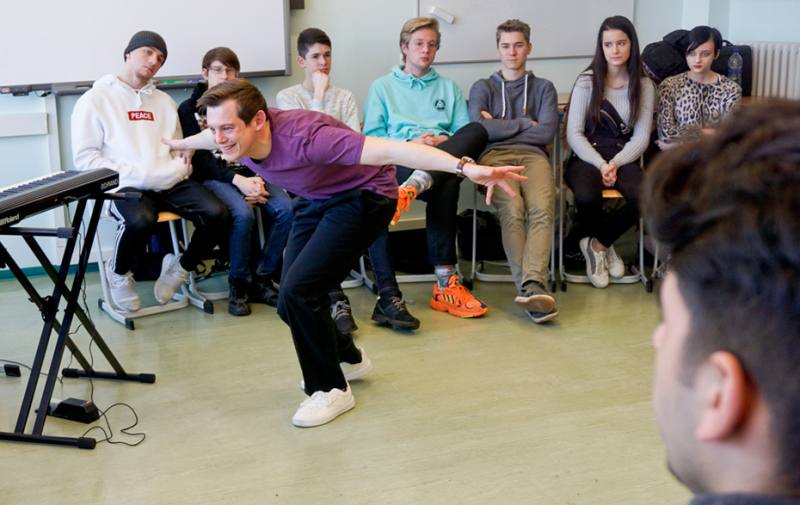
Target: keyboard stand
[(48, 306)]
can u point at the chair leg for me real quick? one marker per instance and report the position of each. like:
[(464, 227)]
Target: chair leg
[(192, 294)]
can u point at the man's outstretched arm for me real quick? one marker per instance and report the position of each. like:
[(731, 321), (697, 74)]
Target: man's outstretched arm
[(382, 152), (203, 140)]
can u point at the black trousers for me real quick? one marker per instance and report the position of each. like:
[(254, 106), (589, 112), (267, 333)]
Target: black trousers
[(327, 237), (586, 183), (441, 213), (190, 200)]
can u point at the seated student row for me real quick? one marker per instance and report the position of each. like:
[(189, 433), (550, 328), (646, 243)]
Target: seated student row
[(345, 184), (522, 233), (521, 122)]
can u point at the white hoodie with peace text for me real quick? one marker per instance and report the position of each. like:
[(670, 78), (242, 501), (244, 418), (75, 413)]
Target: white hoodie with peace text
[(118, 127)]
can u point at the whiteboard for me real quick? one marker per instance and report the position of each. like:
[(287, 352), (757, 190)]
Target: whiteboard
[(559, 28), (48, 42)]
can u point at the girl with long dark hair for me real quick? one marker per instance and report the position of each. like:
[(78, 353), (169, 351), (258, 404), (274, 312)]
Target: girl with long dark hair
[(608, 128)]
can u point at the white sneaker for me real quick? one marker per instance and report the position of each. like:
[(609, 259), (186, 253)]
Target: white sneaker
[(351, 371), (595, 264), (614, 264), (172, 277), (322, 407), (123, 290)]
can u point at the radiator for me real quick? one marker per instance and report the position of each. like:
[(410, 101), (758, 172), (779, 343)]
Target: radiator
[(776, 69)]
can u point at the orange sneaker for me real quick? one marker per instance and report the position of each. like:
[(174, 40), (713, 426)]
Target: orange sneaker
[(456, 300), (407, 193)]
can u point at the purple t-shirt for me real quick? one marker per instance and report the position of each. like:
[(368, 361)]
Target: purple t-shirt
[(316, 157)]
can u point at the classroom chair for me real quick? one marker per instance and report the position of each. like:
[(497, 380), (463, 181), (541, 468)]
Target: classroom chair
[(477, 265), (186, 296), (413, 222)]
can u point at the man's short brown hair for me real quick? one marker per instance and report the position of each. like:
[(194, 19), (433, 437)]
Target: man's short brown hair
[(514, 25), (223, 55), (415, 24), (249, 99), (308, 38), (726, 208)]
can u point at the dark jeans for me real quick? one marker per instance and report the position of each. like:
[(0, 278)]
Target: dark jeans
[(586, 183), (327, 237), (189, 200), (441, 213), (243, 220)]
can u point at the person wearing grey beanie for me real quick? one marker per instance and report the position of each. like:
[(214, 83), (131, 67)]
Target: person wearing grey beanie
[(146, 38), (119, 124)]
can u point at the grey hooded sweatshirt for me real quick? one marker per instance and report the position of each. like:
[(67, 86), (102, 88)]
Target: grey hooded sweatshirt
[(513, 104)]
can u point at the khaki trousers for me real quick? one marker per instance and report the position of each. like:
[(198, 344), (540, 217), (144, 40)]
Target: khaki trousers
[(526, 220)]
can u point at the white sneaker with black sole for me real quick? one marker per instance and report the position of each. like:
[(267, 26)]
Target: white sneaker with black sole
[(595, 264), (351, 371), (614, 264), (322, 407)]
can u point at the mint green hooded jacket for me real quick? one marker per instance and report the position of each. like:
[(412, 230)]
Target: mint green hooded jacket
[(401, 107)]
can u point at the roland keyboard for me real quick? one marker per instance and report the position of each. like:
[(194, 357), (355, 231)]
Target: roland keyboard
[(44, 193)]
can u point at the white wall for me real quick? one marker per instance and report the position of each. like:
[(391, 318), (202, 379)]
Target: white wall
[(695, 12), (720, 16), (764, 20), (23, 158)]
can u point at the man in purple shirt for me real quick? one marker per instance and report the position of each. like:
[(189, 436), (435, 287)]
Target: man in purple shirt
[(347, 194)]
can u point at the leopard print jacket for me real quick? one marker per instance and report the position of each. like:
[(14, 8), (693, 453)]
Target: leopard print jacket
[(685, 107)]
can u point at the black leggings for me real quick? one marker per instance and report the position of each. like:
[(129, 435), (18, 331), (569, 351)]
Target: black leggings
[(586, 183), (188, 199)]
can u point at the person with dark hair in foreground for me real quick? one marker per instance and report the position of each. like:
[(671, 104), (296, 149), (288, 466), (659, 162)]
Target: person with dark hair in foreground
[(727, 372), (347, 195)]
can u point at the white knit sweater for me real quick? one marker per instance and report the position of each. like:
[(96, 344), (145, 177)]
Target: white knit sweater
[(576, 121), (338, 103)]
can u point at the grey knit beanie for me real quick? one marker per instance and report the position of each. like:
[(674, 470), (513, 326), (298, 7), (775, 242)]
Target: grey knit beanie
[(146, 39)]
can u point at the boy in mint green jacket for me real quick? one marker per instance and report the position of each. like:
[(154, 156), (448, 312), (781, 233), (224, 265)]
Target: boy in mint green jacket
[(414, 103)]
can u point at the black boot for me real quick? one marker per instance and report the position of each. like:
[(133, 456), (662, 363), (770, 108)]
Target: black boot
[(237, 299), (391, 309), (263, 290)]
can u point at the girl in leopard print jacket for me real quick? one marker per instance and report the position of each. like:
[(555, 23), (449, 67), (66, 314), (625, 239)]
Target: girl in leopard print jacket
[(695, 102)]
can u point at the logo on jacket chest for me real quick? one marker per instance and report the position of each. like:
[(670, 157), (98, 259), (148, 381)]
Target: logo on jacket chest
[(439, 104), (140, 115)]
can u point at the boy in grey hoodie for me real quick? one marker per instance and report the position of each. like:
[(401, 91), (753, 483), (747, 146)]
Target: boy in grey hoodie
[(520, 112)]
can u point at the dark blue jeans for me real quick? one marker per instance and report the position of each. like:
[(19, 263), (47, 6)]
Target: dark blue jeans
[(278, 207), (327, 237), (188, 199)]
